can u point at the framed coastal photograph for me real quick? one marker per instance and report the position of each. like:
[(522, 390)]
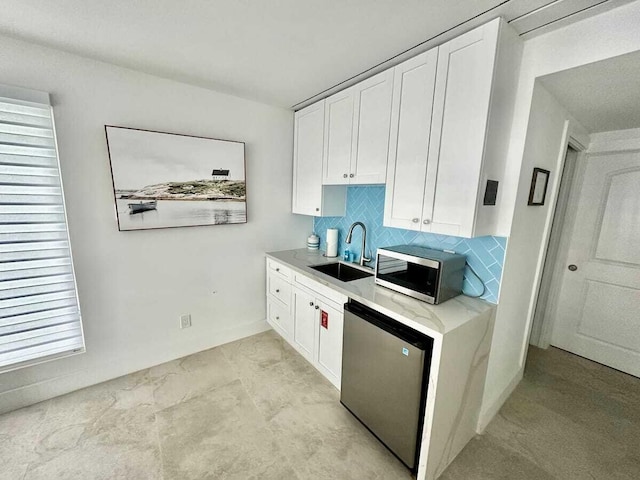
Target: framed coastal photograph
[(538, 190), (166, 180)]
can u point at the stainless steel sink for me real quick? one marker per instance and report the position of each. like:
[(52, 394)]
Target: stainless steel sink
[(342, 271)]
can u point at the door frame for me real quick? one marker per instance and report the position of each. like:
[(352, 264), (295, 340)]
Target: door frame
[(557, 245), (578, 142)]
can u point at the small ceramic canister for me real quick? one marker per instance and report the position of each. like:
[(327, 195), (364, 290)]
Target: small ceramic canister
[(313, 242)]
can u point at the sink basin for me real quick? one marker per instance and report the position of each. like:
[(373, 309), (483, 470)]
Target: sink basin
[(342, 271)]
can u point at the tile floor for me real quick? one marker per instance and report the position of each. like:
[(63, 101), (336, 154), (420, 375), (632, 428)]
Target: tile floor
[(569, 418), (254, 409)]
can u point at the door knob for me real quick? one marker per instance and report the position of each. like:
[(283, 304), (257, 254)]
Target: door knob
[(277, 290), (345, 175), (573, 267), (317, 307), (311, 304), (351, 175), (426, 221), (415, 220)]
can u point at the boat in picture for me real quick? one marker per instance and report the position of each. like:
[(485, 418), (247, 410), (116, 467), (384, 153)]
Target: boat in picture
[(142, 207)]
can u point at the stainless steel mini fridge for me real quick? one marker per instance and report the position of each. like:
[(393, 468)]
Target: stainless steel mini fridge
[(385, 371)]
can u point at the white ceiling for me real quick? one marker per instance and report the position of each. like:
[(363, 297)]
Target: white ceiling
[(280, 52), (603, 96)]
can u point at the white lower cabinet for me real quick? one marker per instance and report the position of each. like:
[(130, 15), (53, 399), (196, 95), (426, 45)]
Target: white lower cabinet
[(317, 331), (304, 323), (309, 316), (330, 342), (279, 317), (279, 299)]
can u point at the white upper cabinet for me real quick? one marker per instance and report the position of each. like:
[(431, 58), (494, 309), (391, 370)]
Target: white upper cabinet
[(372, 119), (338, 135), (465, 132), (356, 132), (460, 114), (413, 87), (307, 159), (435, 129), (309, 196)]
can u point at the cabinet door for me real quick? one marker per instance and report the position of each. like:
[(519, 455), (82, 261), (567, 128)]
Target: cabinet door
[(331, 323), (307, 159), (372, 122), (304, 323), (338, 132), (413, 87), (461, 109)]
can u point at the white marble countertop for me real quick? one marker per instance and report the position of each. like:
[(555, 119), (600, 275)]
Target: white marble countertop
[(432, 320)]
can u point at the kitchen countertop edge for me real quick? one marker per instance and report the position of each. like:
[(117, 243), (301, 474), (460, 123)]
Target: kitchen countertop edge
[(433, 320)]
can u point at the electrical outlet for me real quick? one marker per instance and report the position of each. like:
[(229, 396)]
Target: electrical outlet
[(185, 320)]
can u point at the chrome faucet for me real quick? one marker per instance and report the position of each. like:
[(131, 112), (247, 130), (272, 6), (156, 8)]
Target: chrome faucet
[(363, 258)]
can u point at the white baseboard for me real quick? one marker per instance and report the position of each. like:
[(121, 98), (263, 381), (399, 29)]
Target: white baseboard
[(60, 385), (487, 414)]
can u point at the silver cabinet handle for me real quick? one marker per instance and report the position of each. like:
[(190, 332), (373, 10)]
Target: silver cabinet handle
[(311, 304), (345, 175), (351, 175), (573, 267), (415, 220), (317, 307), (426, 222)]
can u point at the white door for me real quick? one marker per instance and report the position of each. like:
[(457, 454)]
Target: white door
[(413, 86), (331, 323), (304, 323), (307, 159), (338, 132), (460, 115), (372, 121), (598, 313)]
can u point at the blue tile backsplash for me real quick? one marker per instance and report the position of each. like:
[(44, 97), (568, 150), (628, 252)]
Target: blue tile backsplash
[(366, 204)]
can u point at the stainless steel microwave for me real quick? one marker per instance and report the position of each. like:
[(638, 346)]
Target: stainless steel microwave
[(430, 275)]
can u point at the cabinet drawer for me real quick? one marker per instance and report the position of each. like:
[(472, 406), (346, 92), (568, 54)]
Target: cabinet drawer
[(278, 269), (279, 317), (328, 293), (279, 288)]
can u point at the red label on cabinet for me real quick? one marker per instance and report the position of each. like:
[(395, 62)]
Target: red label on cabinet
[(324, 319)]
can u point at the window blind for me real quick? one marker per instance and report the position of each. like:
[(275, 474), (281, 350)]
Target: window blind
[(39, 310)]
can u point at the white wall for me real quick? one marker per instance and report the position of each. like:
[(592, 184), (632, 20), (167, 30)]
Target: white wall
[(607, 35), (134, 285), (615, 141), (549, 129)]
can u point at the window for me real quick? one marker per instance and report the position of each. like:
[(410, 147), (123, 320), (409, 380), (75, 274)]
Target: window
[(39, 310)]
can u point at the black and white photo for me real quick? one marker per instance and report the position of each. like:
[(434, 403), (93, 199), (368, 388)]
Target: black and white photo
[(163, 180)]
